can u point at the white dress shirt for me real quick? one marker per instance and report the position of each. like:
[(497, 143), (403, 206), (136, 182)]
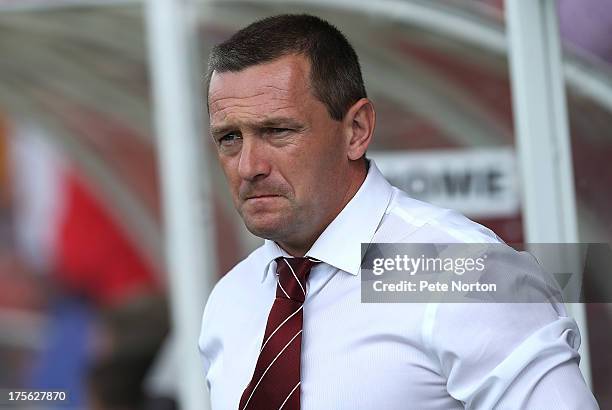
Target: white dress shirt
[(391, 356)]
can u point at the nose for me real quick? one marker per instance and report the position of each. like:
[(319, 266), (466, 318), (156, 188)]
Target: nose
[(253, 163)]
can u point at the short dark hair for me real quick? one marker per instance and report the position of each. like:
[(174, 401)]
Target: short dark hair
[(335, 74)]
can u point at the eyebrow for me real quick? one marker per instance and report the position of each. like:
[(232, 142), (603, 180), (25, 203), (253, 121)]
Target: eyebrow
[(273, 122)]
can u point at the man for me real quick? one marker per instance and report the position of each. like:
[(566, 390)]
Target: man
[(285, 328)]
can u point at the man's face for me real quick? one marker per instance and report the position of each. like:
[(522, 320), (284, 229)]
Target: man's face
[(283, 155)]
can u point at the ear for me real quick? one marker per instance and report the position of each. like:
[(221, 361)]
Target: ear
[(359, 124)]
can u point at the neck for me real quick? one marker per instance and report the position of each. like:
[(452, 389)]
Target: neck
[(299, 248)]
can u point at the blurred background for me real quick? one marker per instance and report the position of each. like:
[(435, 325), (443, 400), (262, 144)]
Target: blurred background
[(84, 301)]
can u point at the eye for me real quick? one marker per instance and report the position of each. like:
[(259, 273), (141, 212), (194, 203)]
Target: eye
[(278, 131), (228, 139)]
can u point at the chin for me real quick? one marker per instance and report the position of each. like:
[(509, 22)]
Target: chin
[(266, 229)]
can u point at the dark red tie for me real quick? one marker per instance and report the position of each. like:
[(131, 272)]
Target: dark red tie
[(276, 380)]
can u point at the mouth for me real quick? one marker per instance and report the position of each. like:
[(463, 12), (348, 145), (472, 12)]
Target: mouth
[(261, 200), (261, 197)]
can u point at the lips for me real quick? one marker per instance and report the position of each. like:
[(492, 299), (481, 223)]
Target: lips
[(261, 196)]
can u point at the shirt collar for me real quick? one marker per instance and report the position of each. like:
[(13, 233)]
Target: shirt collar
[(340, 243)]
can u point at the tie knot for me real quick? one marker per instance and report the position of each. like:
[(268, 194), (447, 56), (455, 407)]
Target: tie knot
[(292, 277)]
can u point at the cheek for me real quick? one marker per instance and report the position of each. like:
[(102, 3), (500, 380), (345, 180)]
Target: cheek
[(331, 154), (230, 169), (318, 173)]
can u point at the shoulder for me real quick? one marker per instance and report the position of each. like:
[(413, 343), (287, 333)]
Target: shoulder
[(242, 276), (235, 284), (408, 219)]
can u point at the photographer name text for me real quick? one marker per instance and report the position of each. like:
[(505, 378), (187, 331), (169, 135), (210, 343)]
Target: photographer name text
[(433, 286)]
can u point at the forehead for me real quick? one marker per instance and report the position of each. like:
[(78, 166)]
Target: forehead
[(264, 89)]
